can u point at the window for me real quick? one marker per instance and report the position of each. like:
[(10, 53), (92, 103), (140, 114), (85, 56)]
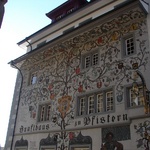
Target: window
[(70, 10), (121, 133), (90, 59), (82, 106), (135, 99), (44, 112), (59, 17), (95, 103), (129, 45), (33, 78)]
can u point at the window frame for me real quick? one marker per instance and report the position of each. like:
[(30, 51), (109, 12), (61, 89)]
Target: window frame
[(91, 57), (129, 103), (124, 46), (94, 106), (32, 75), (46, 105)]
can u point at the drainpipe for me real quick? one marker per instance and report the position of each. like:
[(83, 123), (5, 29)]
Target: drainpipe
[(14, 66), (28, 43)]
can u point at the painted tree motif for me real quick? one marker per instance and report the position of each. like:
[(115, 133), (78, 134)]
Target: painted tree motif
[(61, 77)]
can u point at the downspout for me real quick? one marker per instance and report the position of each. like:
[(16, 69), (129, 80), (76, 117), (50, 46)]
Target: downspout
[(14, 66)]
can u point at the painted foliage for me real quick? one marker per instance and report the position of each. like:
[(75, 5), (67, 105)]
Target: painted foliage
[(143, 129), (61, 77)]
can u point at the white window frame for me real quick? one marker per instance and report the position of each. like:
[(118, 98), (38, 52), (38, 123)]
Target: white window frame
[(90, 59), (109, 101), (44, 112), (91, 107), (100, 103), (82, 106), (97, 102), (128, 45), (33, 78)]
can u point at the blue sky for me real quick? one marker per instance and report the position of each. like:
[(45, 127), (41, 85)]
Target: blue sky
[(22, 18)]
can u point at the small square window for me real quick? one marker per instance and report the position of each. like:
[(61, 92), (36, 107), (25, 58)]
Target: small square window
[(90, 59), (128, 45)]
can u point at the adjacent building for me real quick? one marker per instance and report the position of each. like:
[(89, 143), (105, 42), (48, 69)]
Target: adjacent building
[(2, 10), (83, 76)]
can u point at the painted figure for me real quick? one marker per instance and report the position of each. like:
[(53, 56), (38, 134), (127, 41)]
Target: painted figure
[(111, 144)]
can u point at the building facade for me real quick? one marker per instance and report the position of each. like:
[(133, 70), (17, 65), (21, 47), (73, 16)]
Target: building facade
[(85, 75)]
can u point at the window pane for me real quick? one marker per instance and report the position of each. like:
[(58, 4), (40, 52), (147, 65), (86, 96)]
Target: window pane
[(91, 104), (109, 101), (48, 112), (87, 61), (136, 99), (82, 106), (129, 43), (95, 59), (33, 78), (99, 102), (42, 114)]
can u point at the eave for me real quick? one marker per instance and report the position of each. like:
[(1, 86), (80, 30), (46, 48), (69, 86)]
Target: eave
[(36, 50)]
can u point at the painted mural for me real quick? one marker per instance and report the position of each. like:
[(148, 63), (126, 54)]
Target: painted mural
[(143, 129), (61, 77)]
